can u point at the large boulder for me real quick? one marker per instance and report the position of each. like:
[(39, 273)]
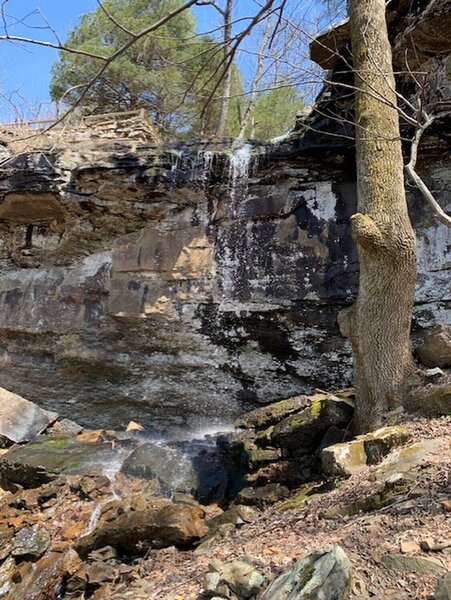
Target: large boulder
[(369, 449), (435, 351), (325, 574), (47, 457), (196, 469), (443, 589), (302, 432), (237, 577), (155, 523), (21, 420), (272, 413), (172, 468)]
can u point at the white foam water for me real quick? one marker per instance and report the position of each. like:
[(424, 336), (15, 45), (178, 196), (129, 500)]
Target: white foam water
[(240, 168), (110, 470), (94, 518)]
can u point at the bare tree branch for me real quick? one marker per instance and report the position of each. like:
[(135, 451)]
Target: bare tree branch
[(18, 38), (410, 169), (214, 5), (114, 20)]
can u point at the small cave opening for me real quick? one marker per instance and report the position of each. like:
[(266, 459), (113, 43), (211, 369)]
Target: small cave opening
[(29, 237), (36, 221)]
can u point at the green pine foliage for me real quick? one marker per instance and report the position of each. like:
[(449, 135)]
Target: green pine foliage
[(169, 73), (275, 112)]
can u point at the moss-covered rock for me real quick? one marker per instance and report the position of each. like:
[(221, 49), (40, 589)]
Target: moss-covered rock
[(47, 457), (261, 456), (302, 432), (345, 459), (272, 413), (262, 496), (298, 499)]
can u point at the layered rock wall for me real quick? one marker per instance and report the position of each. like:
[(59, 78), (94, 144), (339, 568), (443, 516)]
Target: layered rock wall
[(178, 287)]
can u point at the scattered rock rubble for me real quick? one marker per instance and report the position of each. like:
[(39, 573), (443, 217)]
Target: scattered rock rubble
[(287, 516)]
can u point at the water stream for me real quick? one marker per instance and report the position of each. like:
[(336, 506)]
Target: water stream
[(111, 471), (242, 162)]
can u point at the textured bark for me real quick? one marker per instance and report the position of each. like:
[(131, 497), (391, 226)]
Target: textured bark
[(378, 324), (227, 83)]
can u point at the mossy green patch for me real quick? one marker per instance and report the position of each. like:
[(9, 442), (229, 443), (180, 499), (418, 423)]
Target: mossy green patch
[(51, 443), (298, 500), (316, 408)]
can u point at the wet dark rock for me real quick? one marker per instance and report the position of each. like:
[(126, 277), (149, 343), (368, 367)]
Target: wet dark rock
[(46, 458), (172, 468), (192, 467)]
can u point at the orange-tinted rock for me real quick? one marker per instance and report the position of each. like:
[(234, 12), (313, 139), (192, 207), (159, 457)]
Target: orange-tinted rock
[(161, 524), (43, 580)]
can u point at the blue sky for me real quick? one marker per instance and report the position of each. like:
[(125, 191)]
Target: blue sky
[(26, 69)]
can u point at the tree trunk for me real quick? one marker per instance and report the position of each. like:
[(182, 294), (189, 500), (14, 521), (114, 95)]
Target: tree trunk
[(244, 122), (227, 83), (378, 324)]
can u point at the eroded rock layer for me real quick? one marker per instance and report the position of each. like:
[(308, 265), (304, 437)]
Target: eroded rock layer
[(181, 286)]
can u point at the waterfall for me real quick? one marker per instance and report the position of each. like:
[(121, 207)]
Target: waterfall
[(240, 167), (203, 165), (176, 159), (196, 166)]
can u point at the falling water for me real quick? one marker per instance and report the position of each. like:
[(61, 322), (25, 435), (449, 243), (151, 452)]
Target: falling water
[(110, 470), (176, 157), (94, 518), (206, 159), (239, 170)]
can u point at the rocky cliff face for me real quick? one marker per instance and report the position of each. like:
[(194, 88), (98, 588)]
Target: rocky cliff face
[(180, 286)]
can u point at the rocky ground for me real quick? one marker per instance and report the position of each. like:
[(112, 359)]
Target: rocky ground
[(397, 551), (288, 507)]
